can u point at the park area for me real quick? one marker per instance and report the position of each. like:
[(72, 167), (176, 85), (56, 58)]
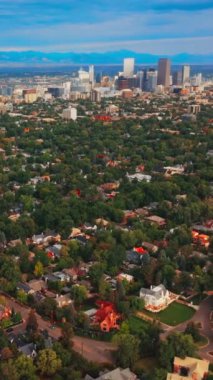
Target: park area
[(175, 314)]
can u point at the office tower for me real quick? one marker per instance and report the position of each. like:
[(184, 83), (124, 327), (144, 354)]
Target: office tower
[(129, 67), (139, 76), (122, 83), (56, 92), (177, 78), (95, 96), (91, 74), (185, 74), (151, 84), (164, 68), (150, 80), (98, 78), (196, 80)]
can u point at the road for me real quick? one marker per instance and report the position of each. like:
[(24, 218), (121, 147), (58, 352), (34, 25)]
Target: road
[(201, 316), (92, 350), (102, 352)]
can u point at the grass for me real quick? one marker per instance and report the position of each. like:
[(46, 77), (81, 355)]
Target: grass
[(136, 324), (175, 314)]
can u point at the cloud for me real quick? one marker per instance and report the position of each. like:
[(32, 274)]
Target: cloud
[(37, 23)]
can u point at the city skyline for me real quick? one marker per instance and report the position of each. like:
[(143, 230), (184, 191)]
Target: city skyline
[(159, 27)]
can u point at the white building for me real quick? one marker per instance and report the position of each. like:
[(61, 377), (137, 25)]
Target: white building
[(70, 113), (139, 177), (91, 74), (129, 67), (186, 74), (157, 298)]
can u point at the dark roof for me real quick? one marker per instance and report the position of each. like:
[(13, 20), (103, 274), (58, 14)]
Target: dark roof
[(23, 286)]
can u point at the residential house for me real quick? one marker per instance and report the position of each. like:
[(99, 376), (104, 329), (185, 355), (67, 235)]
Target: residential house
[(14, 243), (126, 277), (37, 285), (107, 316), (62, 277), (25, 287), (150, 247), (115, 374), (72, 273), (53, 251), (63, 300), (5, 312), (157, 298), (171, 170), (102, 222), (189, 369), (139, 177), (154, 219), (28, 350)]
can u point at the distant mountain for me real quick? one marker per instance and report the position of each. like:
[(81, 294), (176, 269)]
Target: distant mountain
[(36, 58)]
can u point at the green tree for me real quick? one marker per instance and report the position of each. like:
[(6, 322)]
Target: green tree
[(79, 293), (128, 349), (9, 371), (47, 362), (25, 368), (67, 334), (39, 270), (32, 323), (21, 296), (192, 329)]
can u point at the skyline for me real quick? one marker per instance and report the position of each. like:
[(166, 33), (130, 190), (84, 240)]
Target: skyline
[(158, 27)]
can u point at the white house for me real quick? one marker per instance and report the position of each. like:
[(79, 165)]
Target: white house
[(157, 298)]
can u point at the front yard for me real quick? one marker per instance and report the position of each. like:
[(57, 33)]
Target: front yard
[(175, 314)]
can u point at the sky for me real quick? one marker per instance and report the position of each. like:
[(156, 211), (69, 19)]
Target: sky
[(144, 26)]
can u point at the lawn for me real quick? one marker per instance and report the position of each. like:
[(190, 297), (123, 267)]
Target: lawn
[(175, 314), (136, 324)]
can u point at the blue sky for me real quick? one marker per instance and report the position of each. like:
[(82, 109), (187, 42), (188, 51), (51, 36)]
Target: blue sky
[(146, 26)]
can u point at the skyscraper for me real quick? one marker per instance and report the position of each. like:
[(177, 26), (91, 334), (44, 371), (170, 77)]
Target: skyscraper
[(91, 74), (164, 68), (129, 67), (185, 74)]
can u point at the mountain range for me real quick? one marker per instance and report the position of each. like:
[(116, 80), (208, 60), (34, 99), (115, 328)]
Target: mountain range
[(37, 58)]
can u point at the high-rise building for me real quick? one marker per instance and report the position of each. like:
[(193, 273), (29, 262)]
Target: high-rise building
[(95, 96), (164, 68), (122, 83), (91, 74), (185, 74), (196, 80), (152, 76), (129, 67), (177, 78), (139, 76)]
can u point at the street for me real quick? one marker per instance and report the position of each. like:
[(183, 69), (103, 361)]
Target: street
[(202, 316)]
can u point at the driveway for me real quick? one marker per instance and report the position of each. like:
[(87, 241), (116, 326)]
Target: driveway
[(201, 316)]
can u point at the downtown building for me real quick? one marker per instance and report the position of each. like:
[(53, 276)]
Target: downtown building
[(164, 70)]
